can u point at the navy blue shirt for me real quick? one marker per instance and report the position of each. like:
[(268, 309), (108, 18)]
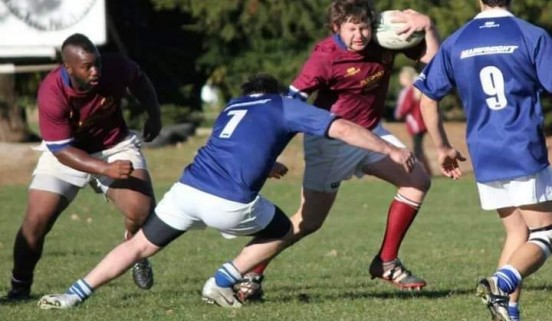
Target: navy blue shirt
[(248, 136), (500, 65)]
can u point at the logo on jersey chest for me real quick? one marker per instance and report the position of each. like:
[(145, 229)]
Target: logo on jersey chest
[(372, 81), (352, 71), (83, 116), (489, 24)]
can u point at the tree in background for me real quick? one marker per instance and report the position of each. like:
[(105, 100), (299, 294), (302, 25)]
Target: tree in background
[(182, 44)]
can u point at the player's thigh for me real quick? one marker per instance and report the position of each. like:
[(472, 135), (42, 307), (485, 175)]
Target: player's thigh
[(132, 196), (537, 215), (416, 182), (47, 197)]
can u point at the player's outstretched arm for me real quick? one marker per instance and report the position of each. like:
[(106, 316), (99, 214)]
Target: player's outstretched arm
[(359, 136), (448, 156), (143, 90), (80, 160)]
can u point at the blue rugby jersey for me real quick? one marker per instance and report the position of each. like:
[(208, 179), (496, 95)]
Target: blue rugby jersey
[(248, 136), (500, 65)]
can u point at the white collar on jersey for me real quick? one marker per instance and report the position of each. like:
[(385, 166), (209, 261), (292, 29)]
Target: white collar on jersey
[(494, 13)]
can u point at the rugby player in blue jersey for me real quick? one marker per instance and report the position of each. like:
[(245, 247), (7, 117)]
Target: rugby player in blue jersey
[(500, 65), (221, 188)]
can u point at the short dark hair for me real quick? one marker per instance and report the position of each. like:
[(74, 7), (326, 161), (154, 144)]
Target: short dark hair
[(497, 3), (79, 40), (261, 84)]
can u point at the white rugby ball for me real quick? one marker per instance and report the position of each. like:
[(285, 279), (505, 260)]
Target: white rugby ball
[(386, 33)]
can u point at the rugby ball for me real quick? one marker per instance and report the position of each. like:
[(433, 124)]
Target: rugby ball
[(386, 33)]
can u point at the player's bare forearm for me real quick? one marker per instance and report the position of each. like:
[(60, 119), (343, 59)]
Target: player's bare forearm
[(358, 136), (80, 160), (144, 91), (432, 41), (433, 121)]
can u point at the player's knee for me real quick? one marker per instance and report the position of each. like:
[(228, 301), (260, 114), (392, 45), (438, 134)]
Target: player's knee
[(138, 212), (542, 237), (306, 227), (424, 182), (278, 228), (37, 224)]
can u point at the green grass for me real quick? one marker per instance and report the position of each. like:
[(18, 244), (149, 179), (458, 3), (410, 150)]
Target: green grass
[(325, 277)]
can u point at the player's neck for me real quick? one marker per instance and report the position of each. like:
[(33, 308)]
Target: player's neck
[(486, 8)]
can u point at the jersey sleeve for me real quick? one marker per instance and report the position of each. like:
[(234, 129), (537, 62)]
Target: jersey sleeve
[(133, 72), (54, 118), (305, 118), (436, 80), (542, 55), (316, 72)]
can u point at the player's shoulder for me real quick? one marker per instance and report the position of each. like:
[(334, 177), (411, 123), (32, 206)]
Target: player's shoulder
[(528, 28), (52, 82), (327, 47), (113, 59)]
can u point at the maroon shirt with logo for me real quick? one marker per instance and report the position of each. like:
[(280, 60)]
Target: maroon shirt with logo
[(92, 121), (352, 85)]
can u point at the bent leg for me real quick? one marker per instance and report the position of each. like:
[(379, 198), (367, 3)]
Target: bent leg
[(47, 198), (315, 207), (412, 188), (528, 258), (134, 198), (516, 235), (120, 259)]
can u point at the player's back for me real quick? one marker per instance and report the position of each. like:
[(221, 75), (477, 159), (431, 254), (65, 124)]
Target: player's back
[(495, 62), (247, 137), (500, 50)]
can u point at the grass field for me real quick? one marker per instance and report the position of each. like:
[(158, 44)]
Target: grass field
[(325, 277)]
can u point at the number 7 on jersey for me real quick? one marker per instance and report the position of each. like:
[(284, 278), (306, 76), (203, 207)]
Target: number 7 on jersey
[(237, 116)]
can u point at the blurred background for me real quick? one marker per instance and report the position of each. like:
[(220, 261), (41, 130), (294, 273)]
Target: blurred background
[(197, 52)]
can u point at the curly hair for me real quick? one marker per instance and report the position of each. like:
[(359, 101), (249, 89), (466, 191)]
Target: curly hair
[(356, 11)]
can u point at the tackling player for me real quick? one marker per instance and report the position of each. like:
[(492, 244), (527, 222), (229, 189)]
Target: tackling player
[(221, 189), (500, 65), (351, 74), (86, 141)]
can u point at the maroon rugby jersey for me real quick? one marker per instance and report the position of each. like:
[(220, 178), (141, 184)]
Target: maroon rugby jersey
[(352, 85), (92, 121)]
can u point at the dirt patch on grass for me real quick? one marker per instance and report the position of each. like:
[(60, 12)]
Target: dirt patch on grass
[(18, 160)]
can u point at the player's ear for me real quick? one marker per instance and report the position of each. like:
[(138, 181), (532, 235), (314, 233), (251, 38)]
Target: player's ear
[(335, 28)]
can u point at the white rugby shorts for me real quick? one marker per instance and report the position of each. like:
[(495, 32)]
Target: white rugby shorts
[(51, 175), (330, 161), (527, 190), (184, 207)]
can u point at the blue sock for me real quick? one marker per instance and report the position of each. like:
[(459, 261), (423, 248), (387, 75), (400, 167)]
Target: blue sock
[(508, 278), (227, 275), (81, 289), (513, 311)]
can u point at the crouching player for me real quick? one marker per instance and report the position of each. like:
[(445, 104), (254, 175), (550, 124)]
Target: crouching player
[(221, 189)]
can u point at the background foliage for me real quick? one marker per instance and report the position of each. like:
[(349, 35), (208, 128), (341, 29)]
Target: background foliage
[(182, 44)]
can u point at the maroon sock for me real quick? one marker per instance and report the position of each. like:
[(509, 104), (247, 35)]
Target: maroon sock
[(399, 218), (259, 269)]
